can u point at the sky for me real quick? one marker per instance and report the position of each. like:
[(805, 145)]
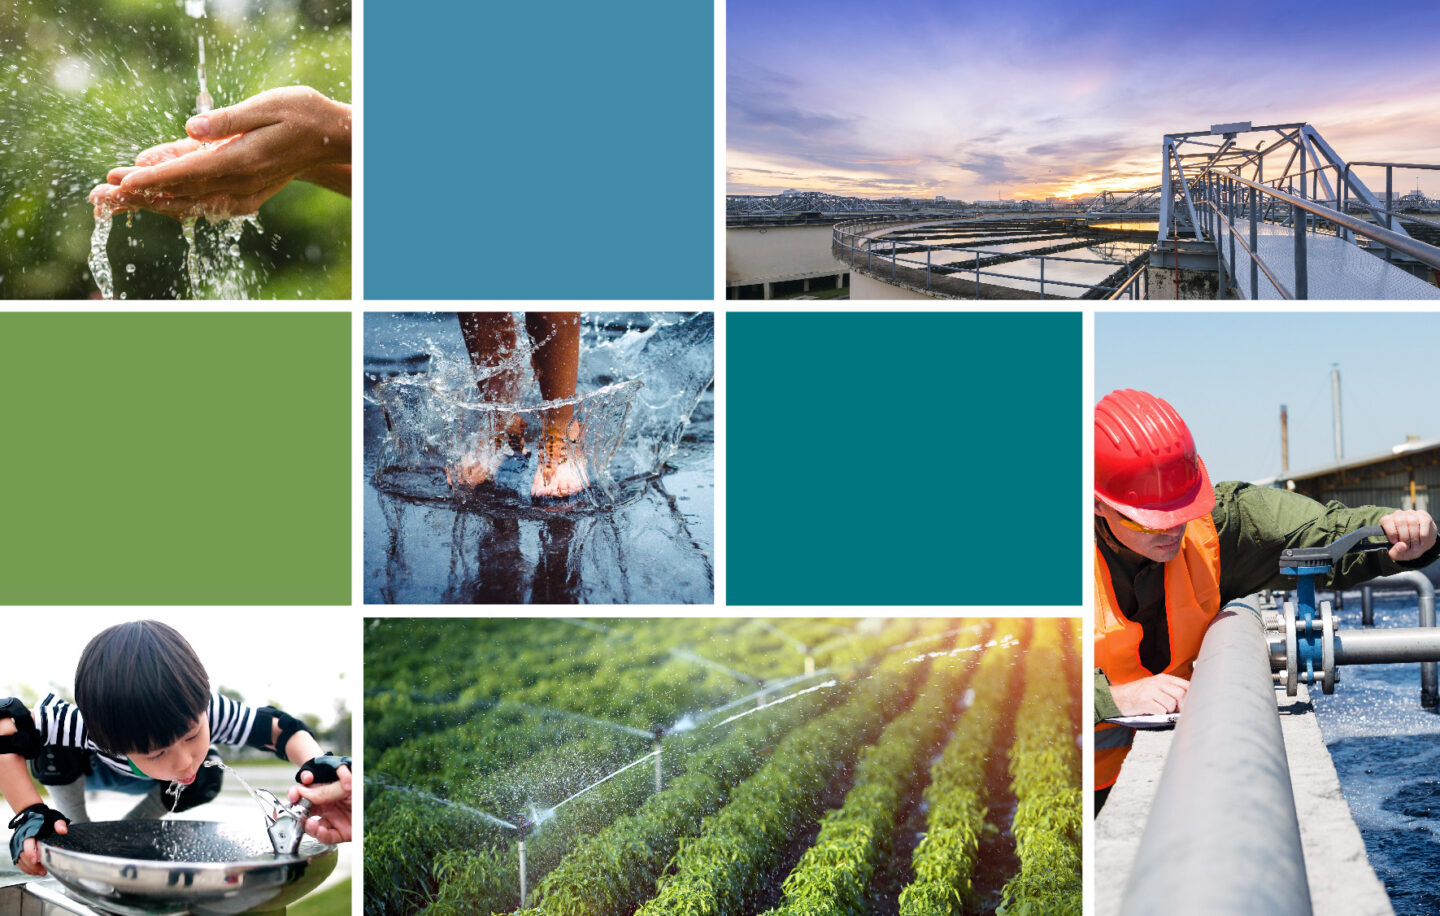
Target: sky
[(1032, 98), (293, 660), (1228, 373)]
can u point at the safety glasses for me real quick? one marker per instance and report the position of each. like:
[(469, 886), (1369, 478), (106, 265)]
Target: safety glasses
[(1136, 526)]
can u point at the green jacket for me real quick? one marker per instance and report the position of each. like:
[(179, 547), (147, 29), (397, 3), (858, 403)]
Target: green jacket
[(1254, 525)]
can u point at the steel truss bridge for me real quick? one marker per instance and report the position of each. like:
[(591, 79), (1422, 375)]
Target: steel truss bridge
[(1282, 215)]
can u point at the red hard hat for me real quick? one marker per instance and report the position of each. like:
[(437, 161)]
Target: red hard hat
[(1145, 462)]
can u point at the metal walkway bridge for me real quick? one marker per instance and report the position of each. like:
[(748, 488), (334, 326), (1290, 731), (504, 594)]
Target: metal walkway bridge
[(1288, 218)]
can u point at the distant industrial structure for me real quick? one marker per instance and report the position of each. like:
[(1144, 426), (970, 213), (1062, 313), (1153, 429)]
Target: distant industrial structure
[(1284, 218)]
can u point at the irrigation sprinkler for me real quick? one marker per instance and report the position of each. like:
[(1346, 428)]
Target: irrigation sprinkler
[(659, 772), (1305, 646), (523, 825), (760, 695), (809, 662)]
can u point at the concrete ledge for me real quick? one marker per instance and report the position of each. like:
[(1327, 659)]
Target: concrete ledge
[(1337, 868)]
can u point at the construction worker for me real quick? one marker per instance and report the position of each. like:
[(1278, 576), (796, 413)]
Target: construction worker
[(1170, 550)]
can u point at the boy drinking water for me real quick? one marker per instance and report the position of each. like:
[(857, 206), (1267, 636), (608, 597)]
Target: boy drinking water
[(143, 722)]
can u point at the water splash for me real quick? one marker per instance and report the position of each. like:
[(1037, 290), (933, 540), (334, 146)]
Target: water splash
[(100, 267), (82, 93), (637, 393), (174, 790)]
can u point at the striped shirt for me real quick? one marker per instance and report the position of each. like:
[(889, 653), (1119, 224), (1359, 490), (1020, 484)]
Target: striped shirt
[(61, 724)]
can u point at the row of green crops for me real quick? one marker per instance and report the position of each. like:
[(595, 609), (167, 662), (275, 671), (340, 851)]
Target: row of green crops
[(956, 799), (1045, 770), (472, 717), (615, 871), (834, 876), (743, 801), (728, 864)]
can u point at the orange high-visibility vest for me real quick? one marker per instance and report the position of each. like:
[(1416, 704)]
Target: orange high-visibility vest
[(1192, 599)]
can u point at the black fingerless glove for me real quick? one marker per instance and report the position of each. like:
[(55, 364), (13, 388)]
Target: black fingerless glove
[(38, 821), (325, 767)]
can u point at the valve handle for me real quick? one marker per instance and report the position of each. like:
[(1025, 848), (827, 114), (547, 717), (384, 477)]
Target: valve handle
[(1331, 553)]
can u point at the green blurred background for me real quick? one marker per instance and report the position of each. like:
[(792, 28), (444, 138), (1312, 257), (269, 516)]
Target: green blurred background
[(86, 86)]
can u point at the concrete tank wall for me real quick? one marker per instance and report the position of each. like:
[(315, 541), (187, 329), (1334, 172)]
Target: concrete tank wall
[(866, 287), (769, 254)]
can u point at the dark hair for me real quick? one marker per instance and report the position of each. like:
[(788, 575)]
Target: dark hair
[(140, 687)]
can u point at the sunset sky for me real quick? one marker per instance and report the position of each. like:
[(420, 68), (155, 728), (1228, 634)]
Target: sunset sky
[(1031, 98)]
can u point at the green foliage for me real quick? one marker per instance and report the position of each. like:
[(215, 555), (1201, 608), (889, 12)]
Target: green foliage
[(833, 877), (333, 901), (615, 870), (483, 713), (85, 87), (944, 861), (723, 868), (1045, 776)]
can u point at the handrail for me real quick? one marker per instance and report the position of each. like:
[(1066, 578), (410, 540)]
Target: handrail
[(1130, 281), (844, 235), (1425, 254), (1254, 257)]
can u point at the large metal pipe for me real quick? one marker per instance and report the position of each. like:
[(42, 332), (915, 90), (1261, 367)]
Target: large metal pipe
[(1387, 647), (1223, 835), (1429, 668)]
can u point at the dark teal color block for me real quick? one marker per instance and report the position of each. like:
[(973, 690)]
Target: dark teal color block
[(539, 151), (904, 459)]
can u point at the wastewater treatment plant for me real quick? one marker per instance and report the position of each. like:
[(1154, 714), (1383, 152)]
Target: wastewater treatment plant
[(722, 766)]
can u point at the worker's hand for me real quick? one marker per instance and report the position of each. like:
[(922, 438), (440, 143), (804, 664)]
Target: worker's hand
[(236, 158), (1411, 533), (1152, 695), (329, 820), (29, 860)]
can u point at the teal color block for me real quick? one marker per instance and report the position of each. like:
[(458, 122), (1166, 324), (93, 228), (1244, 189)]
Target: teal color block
[(559, 150), (904, 459)]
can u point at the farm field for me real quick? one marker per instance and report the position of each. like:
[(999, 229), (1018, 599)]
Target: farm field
[(722, 766)]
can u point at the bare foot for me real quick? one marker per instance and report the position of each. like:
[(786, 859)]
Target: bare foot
[(481, 462), (560, 472)]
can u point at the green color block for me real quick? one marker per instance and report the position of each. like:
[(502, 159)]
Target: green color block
[(904, 458), (175, 458)]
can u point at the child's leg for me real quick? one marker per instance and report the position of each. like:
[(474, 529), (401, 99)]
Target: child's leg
[(490, 339), (69, 800), (152, 806), (557, 368)]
